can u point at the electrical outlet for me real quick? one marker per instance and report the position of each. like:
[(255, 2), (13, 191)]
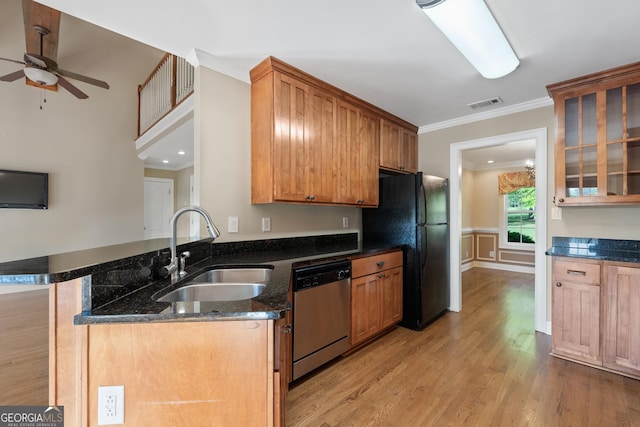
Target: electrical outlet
[(266, 224), (110, 405), (492, 254), (232, 224), (345, 222)]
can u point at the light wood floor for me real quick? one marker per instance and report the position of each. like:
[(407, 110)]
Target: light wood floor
[(484, 366), (24, 348)]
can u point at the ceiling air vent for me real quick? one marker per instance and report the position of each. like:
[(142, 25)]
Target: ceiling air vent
[(486, 103)]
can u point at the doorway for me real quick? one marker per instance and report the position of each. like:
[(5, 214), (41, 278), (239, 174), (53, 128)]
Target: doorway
[(456, 149), (158, 207)]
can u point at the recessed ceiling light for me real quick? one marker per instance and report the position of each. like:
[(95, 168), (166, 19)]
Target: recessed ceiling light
[(182, 153), (165, 161), (489, 161)]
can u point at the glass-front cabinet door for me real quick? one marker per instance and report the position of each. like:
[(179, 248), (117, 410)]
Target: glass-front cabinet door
[(598, 138)]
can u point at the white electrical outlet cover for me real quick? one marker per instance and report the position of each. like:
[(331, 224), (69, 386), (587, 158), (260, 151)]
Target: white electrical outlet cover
[(110, 405), (266, 224)]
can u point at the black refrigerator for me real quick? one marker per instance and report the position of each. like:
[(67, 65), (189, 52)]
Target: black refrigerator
[(414, 211)]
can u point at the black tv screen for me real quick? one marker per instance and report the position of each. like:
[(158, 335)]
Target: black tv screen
[(24, 190)]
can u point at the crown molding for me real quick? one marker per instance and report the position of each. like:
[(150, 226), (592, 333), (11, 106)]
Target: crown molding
[(198, 58), (498, 112)]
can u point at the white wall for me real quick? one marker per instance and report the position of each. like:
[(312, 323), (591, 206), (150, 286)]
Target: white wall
[(86, 146), (223, 168)]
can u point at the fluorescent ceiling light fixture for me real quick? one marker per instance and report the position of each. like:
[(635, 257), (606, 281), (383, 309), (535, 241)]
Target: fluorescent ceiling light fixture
[(182, 153), (41, 77), (165, 161), (469, 25)]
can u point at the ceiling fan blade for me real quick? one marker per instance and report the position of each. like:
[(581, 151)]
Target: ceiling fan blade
[(34, 60), (13, 60), (71, 88), (42, 16), (11, 77), (82, 78)]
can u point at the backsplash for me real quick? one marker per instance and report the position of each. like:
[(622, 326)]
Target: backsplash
[(128, 275)]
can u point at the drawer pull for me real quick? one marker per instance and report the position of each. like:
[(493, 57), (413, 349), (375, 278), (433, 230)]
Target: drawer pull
[(558, 284), (577, 272), (380, 263), (381, 276)]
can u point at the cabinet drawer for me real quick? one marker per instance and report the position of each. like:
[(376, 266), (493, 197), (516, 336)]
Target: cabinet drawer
[(372, 264), (577, 272)]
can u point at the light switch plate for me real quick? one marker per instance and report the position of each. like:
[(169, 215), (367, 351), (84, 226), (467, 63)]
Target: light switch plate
[(556, 213), (345, 222), (232, 224), (266, 224)]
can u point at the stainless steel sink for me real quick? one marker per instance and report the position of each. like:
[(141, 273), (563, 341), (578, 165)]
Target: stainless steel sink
[(214, 292), (221, 284), (253, 274)]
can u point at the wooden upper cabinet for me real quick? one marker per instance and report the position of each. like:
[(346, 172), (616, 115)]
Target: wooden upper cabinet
[(409, 150), (303, 144), (597, 157), (398, 148), (357, 156), (314, 143)]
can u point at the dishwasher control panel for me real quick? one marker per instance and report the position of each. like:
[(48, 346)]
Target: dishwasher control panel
[(321, 274)]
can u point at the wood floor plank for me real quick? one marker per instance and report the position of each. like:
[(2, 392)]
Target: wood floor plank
[(484, 366), (24, 348)]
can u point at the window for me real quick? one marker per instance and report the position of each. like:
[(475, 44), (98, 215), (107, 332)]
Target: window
[(519, 223)]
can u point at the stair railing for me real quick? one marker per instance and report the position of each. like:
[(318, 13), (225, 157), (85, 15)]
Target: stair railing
[(170, 83)]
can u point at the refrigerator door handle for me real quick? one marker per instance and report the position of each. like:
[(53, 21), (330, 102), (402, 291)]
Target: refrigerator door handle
[(423, 205)]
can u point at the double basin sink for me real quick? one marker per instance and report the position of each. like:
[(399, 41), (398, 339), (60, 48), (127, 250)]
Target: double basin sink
[(220, 283)]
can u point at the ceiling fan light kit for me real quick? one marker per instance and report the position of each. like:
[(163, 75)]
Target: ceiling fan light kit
[(473, 30), (42, 77)]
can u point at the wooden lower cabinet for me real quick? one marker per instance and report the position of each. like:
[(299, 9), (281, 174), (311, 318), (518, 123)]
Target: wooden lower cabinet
[(172, 372), (576, 321), (622, 319), (376, 295), (596, 313), (392, 297)]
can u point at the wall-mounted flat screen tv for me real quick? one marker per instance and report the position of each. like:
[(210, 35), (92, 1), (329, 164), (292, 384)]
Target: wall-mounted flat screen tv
[(24, 190)]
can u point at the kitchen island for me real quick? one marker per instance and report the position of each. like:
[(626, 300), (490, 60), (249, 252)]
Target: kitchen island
[(105, 329)]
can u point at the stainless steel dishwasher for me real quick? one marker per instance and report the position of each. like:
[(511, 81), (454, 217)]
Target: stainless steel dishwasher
[(321, 313)]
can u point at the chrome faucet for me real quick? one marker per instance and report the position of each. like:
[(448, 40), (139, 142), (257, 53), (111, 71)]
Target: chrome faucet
[(213, 231)]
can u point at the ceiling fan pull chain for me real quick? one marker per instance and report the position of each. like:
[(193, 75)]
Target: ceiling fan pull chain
[(43, 97)]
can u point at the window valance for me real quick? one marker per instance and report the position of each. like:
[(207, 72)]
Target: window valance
[(512, 181)]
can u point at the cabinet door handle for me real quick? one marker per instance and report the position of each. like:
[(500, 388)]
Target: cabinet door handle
[(577, 272), (380, 263), (286, 329), (558, 284), (381, 276)]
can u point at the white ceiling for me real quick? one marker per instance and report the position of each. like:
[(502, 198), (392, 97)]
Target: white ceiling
[(515, 154), (386, 52)]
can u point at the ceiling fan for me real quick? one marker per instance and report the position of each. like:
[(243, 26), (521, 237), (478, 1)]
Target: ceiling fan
[(41, 69)]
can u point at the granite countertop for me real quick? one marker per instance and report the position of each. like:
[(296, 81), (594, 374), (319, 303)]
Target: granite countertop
[(71, 265), (119, 281), (595, 248)]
